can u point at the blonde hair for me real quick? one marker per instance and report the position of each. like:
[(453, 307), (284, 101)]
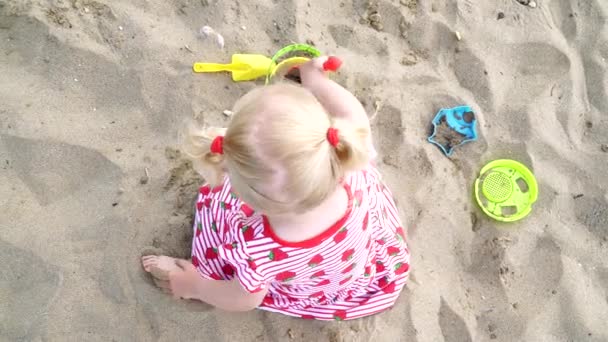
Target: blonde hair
[(276, 151)]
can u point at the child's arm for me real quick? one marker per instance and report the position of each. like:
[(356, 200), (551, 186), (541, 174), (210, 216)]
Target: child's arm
[(228, 295), (336, 100), (224, 294)]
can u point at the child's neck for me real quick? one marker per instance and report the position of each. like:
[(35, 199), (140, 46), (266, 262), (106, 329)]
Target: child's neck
[(299, 227)]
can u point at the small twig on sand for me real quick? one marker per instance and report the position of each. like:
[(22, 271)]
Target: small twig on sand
[(144, 179), (377, 107)]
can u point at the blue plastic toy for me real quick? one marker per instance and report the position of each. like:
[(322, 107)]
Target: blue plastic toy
[(453, 127)]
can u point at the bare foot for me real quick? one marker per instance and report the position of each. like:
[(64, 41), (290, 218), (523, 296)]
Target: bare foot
[(160, 268), (173, 276)]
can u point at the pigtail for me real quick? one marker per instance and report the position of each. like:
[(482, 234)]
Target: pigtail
[(352, 149), (197, 146)]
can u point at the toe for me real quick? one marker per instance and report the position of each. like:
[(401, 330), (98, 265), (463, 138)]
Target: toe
[(148, 257), (159, 266), (149, 261)]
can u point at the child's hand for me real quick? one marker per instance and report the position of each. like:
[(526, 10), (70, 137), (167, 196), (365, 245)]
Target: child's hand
[(336, 100), (321, 65), (180, 278), (184, 280)]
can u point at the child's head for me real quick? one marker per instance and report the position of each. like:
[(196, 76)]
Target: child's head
[(276, 150)]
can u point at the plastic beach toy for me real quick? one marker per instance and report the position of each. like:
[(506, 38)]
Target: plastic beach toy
[(291, 57), (505, 190), (453, 127), (244, 67), (247, 67)]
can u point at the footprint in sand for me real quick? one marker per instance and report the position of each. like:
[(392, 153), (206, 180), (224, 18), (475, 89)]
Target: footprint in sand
[(119, 88), (279, 21), (434, 40), (363, 41), (53, 170), (388, 130), (28, 285), (534, 289), (589, 18), (565, 16), (453, 327), (472, 74), (592, 212)]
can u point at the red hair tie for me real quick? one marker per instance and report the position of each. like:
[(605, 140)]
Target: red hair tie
[(332, 136), (217, 145), (332, 64)]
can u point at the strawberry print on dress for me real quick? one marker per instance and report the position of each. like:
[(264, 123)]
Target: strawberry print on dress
[(355, 268)]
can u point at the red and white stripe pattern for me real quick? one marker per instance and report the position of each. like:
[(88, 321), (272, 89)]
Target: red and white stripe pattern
[(353, 269)]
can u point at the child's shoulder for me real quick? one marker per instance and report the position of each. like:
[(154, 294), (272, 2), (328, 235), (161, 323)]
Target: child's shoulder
[(363, 178), (221, 197)]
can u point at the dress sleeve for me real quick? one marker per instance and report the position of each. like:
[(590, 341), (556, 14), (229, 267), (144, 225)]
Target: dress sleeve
[(213, 208), (235, 252), (219, 246)]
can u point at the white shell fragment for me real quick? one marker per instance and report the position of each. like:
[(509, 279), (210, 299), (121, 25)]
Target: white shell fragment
[(220, 40), (207, 31)]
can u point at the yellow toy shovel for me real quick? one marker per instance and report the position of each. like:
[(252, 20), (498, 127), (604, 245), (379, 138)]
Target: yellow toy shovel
[(244, 67)]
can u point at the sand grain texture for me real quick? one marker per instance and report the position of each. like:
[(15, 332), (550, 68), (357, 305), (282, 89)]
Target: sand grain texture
[(93, 93)]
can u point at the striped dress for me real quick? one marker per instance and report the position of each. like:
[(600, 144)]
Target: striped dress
[(355, 268)]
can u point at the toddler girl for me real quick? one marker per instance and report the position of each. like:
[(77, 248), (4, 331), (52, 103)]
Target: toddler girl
[(295, 219)]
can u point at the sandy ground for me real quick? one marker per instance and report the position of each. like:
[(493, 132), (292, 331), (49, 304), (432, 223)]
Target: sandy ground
[(93, 94)]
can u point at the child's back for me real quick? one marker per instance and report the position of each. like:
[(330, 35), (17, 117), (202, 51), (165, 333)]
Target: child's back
[(353, 268)]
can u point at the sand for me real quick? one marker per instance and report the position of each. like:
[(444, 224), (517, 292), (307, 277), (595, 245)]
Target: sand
[(94, 93)]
